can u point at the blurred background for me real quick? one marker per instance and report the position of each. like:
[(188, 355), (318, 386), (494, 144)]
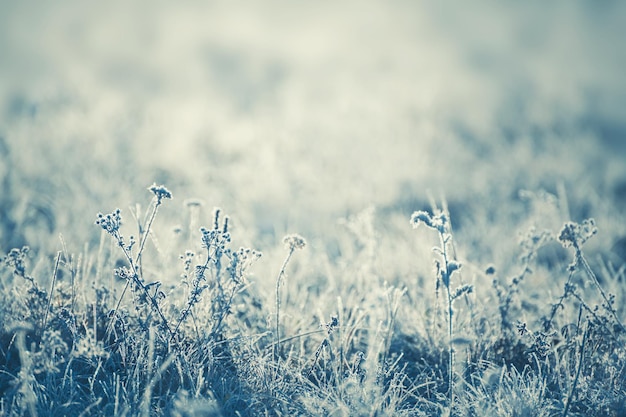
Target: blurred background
[(292, 114)]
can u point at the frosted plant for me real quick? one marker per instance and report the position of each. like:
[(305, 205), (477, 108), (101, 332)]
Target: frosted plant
[(222, 274), (445, 267), (16, 259), (575, 235), (291, 242), (132, 273)]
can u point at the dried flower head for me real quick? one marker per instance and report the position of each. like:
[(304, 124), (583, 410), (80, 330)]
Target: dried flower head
[(437, 221), (160, 192), (111, 222), (214, 238), (16, 259), (294, 241), (574, 234), (421, 217)]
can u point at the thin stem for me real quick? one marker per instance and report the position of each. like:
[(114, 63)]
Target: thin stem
[(73, 270), (340, 337), (444, 254), (592, 275), (592, 313), (137, 281), (318, 351), (193, 296), (392, 312), (444, 206), (279, 280), (144, 236), (224, 311), (286, 339), (580, 365), (117, 307), (450, 350), (558, 305), (54, 279)]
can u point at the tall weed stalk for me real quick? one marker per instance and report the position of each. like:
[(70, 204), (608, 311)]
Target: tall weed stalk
[(445, 267), (292, 242)]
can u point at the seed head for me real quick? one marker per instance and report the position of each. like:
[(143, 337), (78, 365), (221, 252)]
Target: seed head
[(294, 241), (574, 234), (160, 192), (421, 217)]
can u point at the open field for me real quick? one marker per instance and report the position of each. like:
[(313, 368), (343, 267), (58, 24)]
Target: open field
[(422, 209)]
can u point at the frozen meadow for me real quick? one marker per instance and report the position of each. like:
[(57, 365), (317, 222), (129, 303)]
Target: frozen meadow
[(422, 208)]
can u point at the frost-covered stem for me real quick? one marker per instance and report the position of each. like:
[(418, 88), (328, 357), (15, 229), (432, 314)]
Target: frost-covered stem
[(592, 275), (54, 280), (558, 305), (146, 232), (444, 253), (450, 350), (279, 281), (444, 272), (25, 380), (580, 365), (224, 311), (193, 299), (119, 300), (135, 277), (592, 313), (392, 312)]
